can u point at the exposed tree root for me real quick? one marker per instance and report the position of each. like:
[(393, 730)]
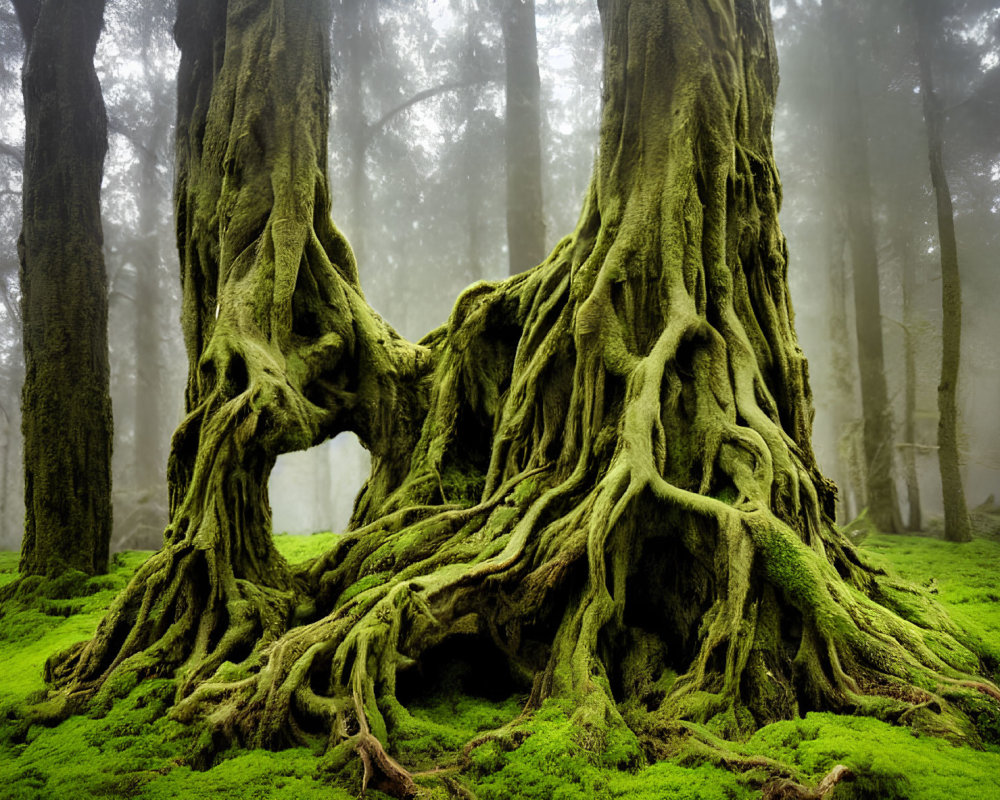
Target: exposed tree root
[(214, 592)]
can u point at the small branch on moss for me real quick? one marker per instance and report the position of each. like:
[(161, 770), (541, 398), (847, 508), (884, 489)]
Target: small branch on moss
[(382, 772), (784, 789)]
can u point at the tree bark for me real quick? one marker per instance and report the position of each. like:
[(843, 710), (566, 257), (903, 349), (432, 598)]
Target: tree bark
[(525, 217), (271, 306), (66, 405), (883, 504), (598, 476), (957, 527)]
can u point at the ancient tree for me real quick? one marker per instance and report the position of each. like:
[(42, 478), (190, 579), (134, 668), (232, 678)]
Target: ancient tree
[(957, 527), (66, 418), (596, 477)]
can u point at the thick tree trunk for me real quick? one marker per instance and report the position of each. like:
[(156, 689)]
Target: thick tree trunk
[(66, 418), (525, 218), (883, 504), (597, 477), (271, 307), (957, 527)]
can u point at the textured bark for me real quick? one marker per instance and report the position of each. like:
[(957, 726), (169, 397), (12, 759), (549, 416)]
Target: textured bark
[(271, 305), (598, 475), (66, 419), (883, 504), (525, 220), (957, 527)]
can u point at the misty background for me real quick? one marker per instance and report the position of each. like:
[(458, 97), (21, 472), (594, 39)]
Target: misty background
[(419, 175)]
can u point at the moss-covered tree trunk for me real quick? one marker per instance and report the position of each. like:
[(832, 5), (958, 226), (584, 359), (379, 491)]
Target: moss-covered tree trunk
[(597, 477), (957, 527), (522, 136), (66, 419), (282, 348)]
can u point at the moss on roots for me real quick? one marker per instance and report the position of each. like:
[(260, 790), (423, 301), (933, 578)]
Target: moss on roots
[(598, 474)]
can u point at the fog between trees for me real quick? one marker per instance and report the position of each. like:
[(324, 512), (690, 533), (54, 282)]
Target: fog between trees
[(419, 188)]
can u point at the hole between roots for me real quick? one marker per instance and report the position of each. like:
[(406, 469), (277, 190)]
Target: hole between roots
[(462, 665)]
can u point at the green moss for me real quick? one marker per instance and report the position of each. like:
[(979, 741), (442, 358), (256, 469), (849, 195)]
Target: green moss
[(136, 751), (8, 566), (881, 753), (301, 548), (552, 763), (966, 577), (48, 615)]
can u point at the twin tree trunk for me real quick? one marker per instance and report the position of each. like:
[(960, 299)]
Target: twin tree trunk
[(66, 419), (598, 474)]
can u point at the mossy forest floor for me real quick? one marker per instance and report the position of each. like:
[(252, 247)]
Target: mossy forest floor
[(133, 750)]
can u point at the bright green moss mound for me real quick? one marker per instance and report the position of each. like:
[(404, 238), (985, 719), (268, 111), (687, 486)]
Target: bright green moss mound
[(555, 763), (46, 616), (300, 548), (891, 762), (136, 752), (966, 577)]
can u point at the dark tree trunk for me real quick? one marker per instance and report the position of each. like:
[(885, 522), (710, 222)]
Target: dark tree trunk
[(599, 475), (957, 527), (525, 218), (66, 404), (855, 195)]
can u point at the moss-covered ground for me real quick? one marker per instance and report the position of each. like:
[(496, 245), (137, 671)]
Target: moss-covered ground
[(136, 751)]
